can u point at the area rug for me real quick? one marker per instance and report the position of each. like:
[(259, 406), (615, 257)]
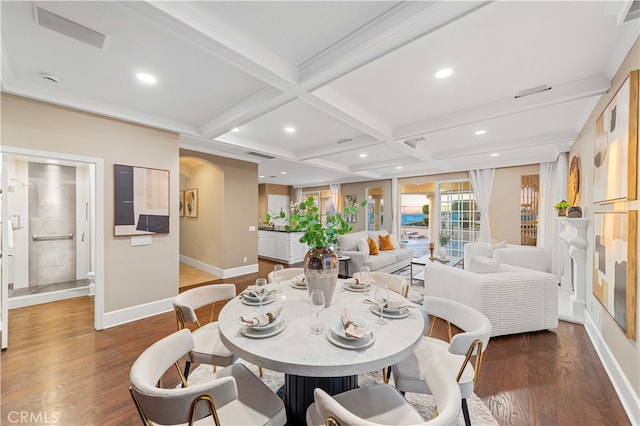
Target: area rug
[(424, 404), (416, 291)]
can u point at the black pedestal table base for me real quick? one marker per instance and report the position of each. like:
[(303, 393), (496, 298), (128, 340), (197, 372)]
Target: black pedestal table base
[(298, 393)]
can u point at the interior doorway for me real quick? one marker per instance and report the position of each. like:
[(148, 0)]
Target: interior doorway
[(51, 214)]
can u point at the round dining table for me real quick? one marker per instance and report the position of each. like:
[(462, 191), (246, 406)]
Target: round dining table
[(324, 360)]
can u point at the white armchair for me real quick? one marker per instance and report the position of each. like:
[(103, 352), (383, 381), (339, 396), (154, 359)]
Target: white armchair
[(516, 300), (529, 257)]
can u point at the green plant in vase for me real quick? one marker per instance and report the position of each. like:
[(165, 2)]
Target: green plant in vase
[(443, 240), (320, 262)]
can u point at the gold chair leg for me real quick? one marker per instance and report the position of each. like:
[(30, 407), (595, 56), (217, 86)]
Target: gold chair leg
[(385, 379), (260, 371), (215, 368)]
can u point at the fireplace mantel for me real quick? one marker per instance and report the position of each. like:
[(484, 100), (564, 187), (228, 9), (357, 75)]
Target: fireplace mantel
[(573, 233)]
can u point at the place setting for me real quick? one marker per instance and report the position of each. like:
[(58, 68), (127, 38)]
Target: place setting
[(263, 325), (258, 294), (350, 332), (360, 282), (299, 282), (386, 307)]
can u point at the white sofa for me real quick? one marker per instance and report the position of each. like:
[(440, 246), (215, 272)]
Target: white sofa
[(384, 261), (529, 257), (516, 300)]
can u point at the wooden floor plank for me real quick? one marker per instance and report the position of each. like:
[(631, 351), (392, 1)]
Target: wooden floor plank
[(58, 367)]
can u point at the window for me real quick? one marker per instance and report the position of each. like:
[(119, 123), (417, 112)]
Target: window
[(529, 193), (415, 216), (459, 215)]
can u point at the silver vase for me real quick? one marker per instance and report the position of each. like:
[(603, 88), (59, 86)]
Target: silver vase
[(321, 271)]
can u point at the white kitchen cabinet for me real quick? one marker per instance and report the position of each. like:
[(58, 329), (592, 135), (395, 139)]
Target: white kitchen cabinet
[(281, 245)]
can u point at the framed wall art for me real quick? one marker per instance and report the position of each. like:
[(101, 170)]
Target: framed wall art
[(191, 202), (141, 200), (616, 146), (614, 264), (181, 208)]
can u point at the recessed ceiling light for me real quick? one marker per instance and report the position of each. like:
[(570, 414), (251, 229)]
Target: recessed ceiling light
[(480, 132), (398, 167), (290, 129), (235, 129), (283, 173), (495, 154), (363, 155), (444, 73), (146, 78), (53, 162), (261, 176)]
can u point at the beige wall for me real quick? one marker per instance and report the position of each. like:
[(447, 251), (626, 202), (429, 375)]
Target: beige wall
[(504, 211), (133, 275), (198, 233), (264, 190), (625, 351), (239, 207)]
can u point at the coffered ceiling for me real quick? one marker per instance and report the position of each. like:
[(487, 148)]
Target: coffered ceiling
[(355, 80)]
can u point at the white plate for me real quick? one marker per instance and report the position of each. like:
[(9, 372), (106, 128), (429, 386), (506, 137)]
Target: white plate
[(257, 334), (300, 286), (365, 342), (266, 327), (390, 313), (358, 289), (269, 299), (339, 330)]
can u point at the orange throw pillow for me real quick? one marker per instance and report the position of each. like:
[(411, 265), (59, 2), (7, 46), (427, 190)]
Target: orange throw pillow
[(385, 242), (373, 248)]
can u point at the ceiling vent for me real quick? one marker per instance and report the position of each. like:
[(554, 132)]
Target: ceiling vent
[(412, 142), (344, 140), (634, 12), (258, 154), (533, 91), (61, 25)]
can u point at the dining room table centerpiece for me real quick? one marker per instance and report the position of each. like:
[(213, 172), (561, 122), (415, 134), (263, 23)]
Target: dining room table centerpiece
[(320, 235)]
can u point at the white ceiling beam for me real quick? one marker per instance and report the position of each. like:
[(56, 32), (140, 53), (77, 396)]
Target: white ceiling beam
[(399, 145), (383, 164), (263, 148), (508, 145), (333, 149), (208, 146), (401, 25), (252, 107), (224, 41), (580, 89)]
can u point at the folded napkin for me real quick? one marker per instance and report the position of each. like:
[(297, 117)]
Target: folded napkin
[(393, 304), (250, 291), (299, 279), (356, 281), (262, 319), (351, 329)]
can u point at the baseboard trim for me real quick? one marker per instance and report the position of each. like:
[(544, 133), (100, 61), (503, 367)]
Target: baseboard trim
[(627, 395), (222, 273), (133, 313), (50, 296)]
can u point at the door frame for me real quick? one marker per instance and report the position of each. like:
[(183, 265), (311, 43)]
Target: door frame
[(97, 178)]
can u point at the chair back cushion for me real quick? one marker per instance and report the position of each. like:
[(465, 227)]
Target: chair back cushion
[(190, 300), (483, 265), (445, 389), (329, 407), (395, 283), (474, 325), (285, 275)]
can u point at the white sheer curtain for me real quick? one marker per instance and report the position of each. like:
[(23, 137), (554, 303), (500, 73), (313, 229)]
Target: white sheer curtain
[(335, 194), (553, 188), (482, 182), (394, 206), (298, 199)]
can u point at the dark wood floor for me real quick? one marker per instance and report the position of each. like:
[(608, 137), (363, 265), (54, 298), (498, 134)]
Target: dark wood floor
[(59, 370)]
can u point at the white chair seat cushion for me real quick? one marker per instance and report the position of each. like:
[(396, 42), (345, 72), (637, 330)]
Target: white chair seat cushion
[(379, 404), (209, 349), (408, 373)]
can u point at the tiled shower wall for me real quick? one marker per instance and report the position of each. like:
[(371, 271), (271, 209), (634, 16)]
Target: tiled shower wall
[(52, 214)]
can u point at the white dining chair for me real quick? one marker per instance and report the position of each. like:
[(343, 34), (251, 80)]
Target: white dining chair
[(382, 404), (285, 274), (208, 348), (396, 283), (456, 354), (233, 396)]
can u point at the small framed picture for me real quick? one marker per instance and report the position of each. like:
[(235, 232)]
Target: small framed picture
[(181, 201), (191, 202)]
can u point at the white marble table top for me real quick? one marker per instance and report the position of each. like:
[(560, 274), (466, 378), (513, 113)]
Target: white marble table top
[(296, 351)]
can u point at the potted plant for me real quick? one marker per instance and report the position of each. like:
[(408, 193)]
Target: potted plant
[(562, 207), (320, 262), (443, 239)]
